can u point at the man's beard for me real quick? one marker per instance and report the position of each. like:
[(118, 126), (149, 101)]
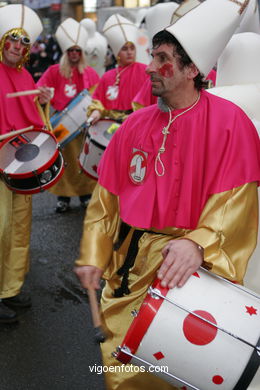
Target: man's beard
[(162, 105)]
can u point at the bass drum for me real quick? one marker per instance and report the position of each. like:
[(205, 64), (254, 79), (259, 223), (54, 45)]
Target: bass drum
[(31, 162), (203, 336)]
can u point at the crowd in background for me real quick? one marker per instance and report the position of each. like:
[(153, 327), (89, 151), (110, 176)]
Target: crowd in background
[(46, 52)]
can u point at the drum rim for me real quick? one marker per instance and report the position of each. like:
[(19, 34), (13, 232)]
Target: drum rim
[(147, 312), (42, 168), (44, 186)]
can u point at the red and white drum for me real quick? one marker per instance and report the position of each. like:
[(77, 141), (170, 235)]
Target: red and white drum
[(30, 162), (206, 334), (97, 139)]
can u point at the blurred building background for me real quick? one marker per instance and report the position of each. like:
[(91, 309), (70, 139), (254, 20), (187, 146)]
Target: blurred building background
[(52, 12)]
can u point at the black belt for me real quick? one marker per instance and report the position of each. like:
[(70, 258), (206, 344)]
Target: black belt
[(130, 256)]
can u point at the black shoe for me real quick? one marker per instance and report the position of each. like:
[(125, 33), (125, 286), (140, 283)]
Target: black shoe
[(84, 200), (20, 300), (7, 316), (84, 203), (62, 206)]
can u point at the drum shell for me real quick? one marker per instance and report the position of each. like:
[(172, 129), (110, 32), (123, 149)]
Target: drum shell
[(69, 122), (198, 353), (34, 174), (96, 141)]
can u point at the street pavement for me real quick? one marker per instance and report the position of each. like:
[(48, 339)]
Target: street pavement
[(53, 345)]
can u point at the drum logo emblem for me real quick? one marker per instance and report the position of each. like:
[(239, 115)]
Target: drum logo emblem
[(138, 166), (70, 90)]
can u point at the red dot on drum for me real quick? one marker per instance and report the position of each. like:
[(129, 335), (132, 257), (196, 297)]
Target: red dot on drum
[(198, 331), (217, 379), (158, 355)]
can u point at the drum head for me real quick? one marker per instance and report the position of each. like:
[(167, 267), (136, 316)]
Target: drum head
[(103, 131), (27, 152)]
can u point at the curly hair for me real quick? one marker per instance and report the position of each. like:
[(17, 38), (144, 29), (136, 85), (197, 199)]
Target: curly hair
[(164, 37), (26, 56)]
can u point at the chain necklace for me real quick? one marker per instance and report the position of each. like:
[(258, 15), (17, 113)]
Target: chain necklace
[(165, 132)]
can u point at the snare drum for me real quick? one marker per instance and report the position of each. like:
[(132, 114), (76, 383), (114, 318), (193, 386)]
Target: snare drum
[(68, 123), (97, 139), (206, 334), (30, 162)]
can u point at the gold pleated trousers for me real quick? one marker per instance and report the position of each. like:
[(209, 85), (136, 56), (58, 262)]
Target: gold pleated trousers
[(15, 230), (117, 313), (73, 182)]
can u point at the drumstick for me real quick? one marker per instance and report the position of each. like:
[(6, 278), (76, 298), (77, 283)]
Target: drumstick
[(23, 93), (16, 132), (28, 92), (99, 334)]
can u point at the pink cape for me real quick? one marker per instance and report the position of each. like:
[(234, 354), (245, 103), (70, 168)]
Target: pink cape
[(145, 96), (131, 80), (67, 89), (17, 113), (212, 148)]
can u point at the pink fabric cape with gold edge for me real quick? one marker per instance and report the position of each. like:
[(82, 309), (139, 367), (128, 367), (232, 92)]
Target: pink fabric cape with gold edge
[(18, 112), (212, 148)]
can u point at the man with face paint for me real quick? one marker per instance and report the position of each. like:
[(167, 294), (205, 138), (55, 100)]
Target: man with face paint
[(19, 28), (177, 185), (117, 87), (69, 78)]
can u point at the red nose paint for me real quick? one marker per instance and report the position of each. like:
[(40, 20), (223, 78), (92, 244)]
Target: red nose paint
[(166, 70), (7, 45)]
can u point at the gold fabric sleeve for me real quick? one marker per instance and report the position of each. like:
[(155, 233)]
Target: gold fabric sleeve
[(95, 105), (99, 229), (227, 230), (136, 106), (111, 114)]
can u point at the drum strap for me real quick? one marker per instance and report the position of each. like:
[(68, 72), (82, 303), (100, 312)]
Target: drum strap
[(130, 256), (128, 263)]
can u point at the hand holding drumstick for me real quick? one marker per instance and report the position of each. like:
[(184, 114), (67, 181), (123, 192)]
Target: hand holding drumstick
[(45, 94), (89, 277)]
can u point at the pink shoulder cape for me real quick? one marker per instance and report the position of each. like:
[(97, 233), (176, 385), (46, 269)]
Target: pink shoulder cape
[(132, 78), (20, 112), (67, 89), (210, 149)]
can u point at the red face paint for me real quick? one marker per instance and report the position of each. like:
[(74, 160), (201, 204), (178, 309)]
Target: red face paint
[(24, 51), (166, 70), (7, 45)]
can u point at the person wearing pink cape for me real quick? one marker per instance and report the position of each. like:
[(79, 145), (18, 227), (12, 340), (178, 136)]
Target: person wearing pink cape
[(19, 28), (117, 87), (177, 186), (69, 78)]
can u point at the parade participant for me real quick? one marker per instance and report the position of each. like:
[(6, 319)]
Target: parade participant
[(69, 78), (19, 28), (177, 184), (117, 87), (157, 18), (238, 80)]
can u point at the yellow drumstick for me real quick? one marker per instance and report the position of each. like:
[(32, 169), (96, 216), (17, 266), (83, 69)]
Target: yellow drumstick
[(16, 132), (28, 92), (23, 93)]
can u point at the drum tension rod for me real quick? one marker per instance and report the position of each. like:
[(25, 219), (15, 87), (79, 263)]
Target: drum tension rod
[(37, 178), (156, 292), (127, 351)]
